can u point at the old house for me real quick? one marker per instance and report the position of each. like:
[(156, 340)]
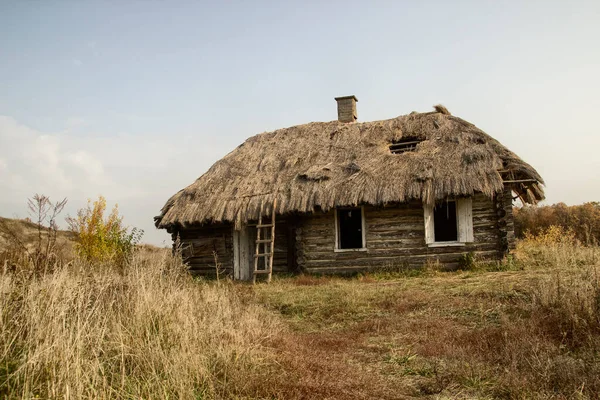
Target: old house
[(350, 196)]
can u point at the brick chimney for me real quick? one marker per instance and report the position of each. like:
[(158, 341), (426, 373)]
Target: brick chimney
[(346, 108)]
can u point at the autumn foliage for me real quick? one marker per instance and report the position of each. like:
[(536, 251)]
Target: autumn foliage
[(103, 238), (583, 220)]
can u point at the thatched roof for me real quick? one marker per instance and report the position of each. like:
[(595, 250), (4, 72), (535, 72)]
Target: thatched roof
[(321, 165)]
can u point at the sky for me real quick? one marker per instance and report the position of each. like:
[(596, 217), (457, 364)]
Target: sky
[(134, 100)]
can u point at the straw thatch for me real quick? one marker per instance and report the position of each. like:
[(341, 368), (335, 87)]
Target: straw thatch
[(321, 165)]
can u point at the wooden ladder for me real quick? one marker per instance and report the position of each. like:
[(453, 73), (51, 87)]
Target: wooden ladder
[(267, 255)]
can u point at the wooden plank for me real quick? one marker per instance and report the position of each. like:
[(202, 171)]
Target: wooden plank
[(272, 242), (429, 227), (315, 265), (236, 254), (465, 220), (521, 181), (262, 271), (257, 242), (375, 254), (263, 254), (243, 251)]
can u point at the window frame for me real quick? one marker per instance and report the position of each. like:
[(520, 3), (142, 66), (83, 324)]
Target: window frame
[(337, 248), (404, 145), (464, 222)]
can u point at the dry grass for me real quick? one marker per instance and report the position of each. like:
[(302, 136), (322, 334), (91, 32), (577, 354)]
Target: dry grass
[(18, 236), (87, 331), (523, 329)]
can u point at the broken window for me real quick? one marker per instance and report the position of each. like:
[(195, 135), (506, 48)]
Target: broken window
[(450, 221), (350, 228), (404, 145), (445, 222)]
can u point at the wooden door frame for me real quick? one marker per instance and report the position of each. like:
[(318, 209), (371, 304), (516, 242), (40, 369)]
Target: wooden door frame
[(243, 253)]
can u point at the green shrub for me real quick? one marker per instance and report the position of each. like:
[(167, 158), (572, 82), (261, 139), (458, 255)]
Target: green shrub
[(467, 260)]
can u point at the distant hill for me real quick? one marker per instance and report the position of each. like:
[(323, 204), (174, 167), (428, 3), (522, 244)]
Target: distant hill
[(20, 232)]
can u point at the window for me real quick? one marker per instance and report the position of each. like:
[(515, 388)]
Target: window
[(445, 223), (449, 222), (350, 232), (404, 145)]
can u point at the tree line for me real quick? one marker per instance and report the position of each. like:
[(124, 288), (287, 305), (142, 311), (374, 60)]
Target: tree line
[(583, 220)]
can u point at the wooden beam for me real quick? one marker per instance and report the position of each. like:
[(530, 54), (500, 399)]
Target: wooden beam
[(522, 181), (262, 254), (400, 144)]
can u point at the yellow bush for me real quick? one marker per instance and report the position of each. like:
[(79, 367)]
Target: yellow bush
[(555, 247), (552, 235), (100, 238)]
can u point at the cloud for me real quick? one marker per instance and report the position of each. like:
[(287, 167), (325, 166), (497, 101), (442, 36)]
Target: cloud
[(87, 163), (139, 172), (77, 62), (33, 162)]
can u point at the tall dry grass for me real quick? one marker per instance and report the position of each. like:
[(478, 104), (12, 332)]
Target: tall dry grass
[(568, 296), (148, 331), (555, 248)]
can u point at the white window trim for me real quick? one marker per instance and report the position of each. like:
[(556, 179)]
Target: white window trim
[(464, 222), (336, 248), (447, 244)]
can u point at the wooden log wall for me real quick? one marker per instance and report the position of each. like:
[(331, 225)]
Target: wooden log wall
[(284, 244), (199, 244), (506, 225), (395, 237)]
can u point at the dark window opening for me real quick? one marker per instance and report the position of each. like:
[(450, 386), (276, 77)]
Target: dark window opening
[(404, 145), (350, 235), (444, 220)]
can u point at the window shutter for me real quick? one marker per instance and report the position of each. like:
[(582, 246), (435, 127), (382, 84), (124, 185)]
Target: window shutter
[(465, 219), (429, 227)]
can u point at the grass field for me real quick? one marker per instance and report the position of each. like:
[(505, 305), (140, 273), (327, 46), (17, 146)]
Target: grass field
[(477, 334), (520, 329)]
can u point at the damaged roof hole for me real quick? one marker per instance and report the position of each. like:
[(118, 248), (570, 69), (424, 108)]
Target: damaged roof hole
[(404, 145)]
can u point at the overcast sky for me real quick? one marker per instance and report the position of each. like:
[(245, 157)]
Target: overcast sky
[(135, 100)]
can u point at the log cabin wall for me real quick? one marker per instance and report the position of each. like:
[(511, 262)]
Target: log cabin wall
[(506, 224), (284, 256), (198, 245), (395, 237)]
